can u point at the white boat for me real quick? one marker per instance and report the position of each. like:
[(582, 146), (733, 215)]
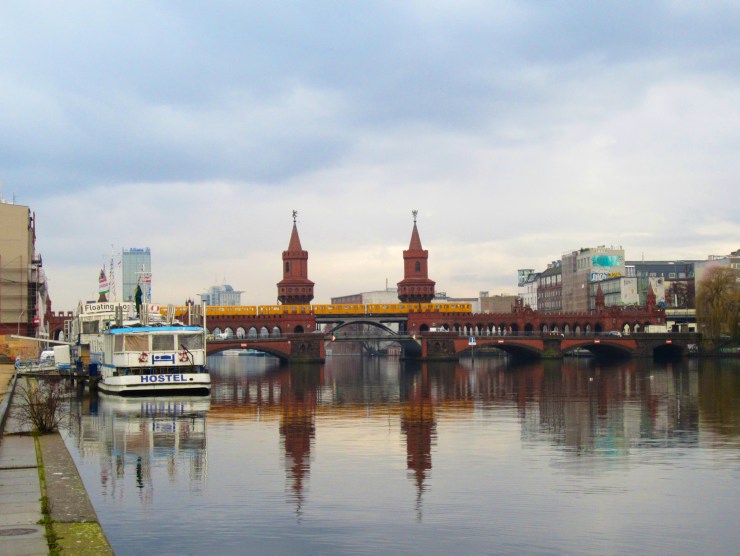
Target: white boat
[(149, 360), (252, 353), (44, 364), (86, 327)]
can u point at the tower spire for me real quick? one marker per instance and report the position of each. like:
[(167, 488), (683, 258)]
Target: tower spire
[(416, 287), (295, 288)]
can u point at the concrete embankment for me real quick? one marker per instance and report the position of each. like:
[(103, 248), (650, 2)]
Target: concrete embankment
[(43, 503)]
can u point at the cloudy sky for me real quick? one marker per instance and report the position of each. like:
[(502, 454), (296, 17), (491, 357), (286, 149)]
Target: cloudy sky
[(519, 130)]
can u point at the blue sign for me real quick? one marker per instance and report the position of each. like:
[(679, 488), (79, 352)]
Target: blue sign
[(163, 358), (471, 342)]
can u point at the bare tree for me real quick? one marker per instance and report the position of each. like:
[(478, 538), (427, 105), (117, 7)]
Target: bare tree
[(41, 405), (718, 302)]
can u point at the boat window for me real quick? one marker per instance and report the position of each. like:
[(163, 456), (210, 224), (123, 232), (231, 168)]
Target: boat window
[(136, 343), (90, 327), (163, 342), (118, 345), (191, 341)]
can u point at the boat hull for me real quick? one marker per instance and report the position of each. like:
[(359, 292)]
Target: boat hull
[(191, 384)]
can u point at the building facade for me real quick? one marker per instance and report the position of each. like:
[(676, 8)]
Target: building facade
[(222, 295), (582, 267), (498, 304), (388, 295), (24, 295), (678, 277), (623, 291), (550, 289), (527, 280), (136, 268)]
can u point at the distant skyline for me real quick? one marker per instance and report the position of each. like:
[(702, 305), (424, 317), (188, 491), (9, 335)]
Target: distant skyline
[(519, 130)]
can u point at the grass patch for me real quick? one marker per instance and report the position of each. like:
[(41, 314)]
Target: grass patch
[(51, 537)]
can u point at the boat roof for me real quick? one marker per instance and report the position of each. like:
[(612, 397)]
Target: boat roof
[(150, 329)]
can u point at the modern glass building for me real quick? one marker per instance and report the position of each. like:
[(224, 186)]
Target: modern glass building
[(136, 267), (222, 295)]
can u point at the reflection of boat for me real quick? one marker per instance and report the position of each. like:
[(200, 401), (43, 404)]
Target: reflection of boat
[(252, 353), (167, 359), (579, 352), (156, 406)]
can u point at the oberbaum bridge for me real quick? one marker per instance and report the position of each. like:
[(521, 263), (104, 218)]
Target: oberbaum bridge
[(303, 337)]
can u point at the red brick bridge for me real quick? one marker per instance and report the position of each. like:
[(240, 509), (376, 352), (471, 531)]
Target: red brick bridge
[(311, 347)]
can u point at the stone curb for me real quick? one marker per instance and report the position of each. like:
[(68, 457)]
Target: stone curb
[(5, 405)]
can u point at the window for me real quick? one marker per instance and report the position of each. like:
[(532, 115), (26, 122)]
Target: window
[(164, 342), (90, 327), (136, 343), (417, 266), (193, 341), (287, 266)]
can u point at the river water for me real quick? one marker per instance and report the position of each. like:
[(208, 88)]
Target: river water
[(381, 456)]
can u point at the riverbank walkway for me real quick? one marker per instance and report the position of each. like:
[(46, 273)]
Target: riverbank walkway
[(37, 474)]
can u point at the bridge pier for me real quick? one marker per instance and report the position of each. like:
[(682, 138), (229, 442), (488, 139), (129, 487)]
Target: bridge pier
[(307, 348), (438, 349)]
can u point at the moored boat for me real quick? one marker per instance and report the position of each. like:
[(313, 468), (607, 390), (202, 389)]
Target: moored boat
[(148, 360)]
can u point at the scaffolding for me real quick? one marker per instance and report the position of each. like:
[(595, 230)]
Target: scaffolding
[(14, 296)]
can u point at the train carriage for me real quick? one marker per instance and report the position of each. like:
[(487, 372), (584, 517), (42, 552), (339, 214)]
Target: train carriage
[(458, 308), (339, 309), (391, 308)]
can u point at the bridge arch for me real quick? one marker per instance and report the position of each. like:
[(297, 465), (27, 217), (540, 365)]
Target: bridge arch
[(602, 349), (343, 324), (214, 349), (668, 351)]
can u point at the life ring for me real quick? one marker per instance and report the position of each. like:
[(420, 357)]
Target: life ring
[(144, 357), (183, 356)]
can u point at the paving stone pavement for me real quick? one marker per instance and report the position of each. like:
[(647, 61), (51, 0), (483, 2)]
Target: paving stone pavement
[(75, 522), (20, 498)]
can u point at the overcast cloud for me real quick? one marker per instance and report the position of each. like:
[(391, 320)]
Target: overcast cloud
[(519, 130)]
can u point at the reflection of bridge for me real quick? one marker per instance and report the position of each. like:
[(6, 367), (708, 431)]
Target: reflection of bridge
[(449, 346)]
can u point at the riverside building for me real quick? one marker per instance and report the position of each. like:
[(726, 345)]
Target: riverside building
[(24, 297)]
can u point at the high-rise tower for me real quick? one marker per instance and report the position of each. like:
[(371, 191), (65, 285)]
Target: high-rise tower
[(295, 288), (136, 267), (416, 287)]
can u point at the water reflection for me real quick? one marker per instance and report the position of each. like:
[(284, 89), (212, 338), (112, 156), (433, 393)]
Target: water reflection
[(581, 406), (427, 446), (131, 436)]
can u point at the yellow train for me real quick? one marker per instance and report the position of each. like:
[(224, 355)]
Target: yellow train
[(329, 309)]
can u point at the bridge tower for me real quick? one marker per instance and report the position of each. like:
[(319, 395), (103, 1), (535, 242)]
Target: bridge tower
[(416, 287), (295, 288)]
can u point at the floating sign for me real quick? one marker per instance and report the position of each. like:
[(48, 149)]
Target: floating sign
[(163, 358)]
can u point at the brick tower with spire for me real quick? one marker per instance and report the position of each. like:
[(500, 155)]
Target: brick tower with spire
[(416, 287), (295, 288)]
